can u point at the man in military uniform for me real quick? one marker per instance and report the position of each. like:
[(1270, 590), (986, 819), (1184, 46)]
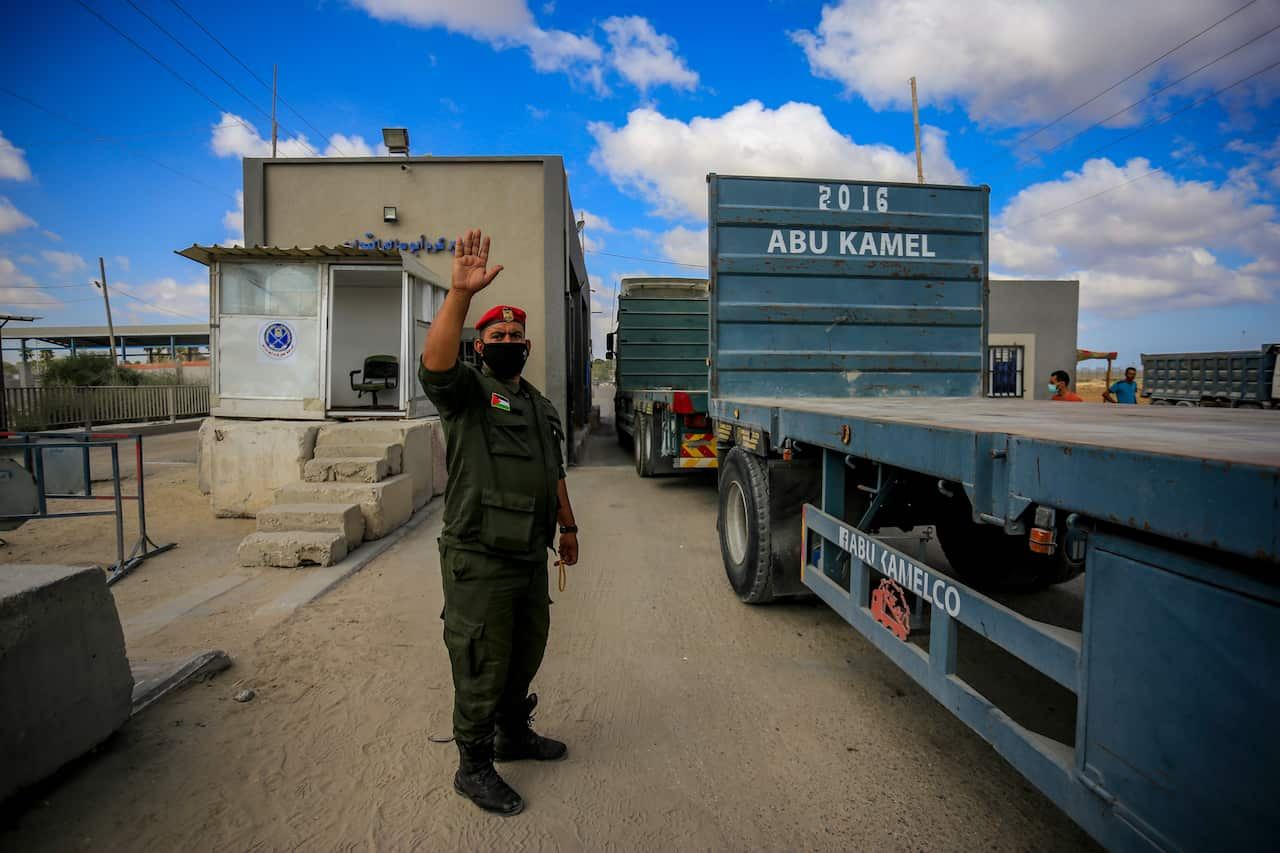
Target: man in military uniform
[(505, 494)]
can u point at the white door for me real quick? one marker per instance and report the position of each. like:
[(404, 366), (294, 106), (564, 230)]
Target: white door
[(270, 340)]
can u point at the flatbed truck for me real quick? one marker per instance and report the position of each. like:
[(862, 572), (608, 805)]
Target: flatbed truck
[(659, 353), (848, 328)]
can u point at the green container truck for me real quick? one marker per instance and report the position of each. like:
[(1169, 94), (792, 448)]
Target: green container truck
[(660, 357)]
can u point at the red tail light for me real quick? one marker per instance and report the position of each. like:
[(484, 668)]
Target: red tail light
[(681, 403)]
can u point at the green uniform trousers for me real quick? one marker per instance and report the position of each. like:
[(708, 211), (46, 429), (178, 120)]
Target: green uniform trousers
[(497, 614)]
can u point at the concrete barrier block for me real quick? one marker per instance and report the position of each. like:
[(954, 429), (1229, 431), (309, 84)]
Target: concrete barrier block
[(342, 470), (249, 460), (204, 480), (319, 517), (65, 683), (392, 453), (385, 505), (289, 549)]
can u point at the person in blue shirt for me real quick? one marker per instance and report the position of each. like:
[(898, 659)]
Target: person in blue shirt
[(1123, 392)]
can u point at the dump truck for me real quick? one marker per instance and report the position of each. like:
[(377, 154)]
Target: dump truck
[(848, 329), (1240, 380), (660, 367)]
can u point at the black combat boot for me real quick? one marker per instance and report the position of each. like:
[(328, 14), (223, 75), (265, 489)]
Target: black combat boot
[(516, 739), (480, 783)]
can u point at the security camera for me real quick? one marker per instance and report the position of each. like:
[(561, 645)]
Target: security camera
[(404, 167)]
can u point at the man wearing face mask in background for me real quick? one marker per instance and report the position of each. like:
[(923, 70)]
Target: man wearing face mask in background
[(505, 495)]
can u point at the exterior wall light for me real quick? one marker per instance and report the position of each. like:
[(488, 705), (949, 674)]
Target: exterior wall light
[(388, 214), (396, 139)]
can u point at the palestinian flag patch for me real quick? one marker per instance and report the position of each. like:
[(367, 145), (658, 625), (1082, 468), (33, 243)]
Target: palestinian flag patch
[(498, 401)]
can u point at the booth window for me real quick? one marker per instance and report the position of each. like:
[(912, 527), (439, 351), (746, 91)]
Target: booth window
[(269, 290)]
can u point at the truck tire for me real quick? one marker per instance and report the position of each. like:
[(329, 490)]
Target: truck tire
[(643, 441), (986, 558), (744, 525)]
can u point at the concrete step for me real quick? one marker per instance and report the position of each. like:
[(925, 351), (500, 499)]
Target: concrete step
[(346, 470), (360, 433), (317, 518), (289, 549), (385, 505), (393, 453)]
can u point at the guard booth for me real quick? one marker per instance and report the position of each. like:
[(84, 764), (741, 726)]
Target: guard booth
[(321, 332)]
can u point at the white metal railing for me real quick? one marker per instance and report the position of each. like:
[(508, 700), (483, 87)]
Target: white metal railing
[(33, 409)]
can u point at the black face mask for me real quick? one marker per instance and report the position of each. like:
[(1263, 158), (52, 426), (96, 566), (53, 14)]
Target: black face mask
[(507, 359)]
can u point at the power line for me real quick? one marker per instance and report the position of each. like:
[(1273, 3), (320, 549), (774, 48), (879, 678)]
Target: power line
[(1113, 188), (1193, 105), (39, 286), (192, 86), (1148, 97), (50, 302), (264, 83), (214, 71), (204, 128), (118, 289), (647, 260), (1113, 86), (135, 151)]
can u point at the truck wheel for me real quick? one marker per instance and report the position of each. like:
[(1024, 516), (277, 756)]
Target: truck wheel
[(744, 525), (643, 451)]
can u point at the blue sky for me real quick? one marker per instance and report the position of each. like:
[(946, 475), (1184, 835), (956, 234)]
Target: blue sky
[(1164, 209)]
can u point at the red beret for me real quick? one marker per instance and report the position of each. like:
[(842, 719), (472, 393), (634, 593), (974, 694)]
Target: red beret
[(501, 314)]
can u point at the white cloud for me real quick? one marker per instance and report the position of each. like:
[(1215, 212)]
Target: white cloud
[(341, 145), (665, 160), (501, 23), (1155, 243), (12, 219), (122, 262), (234, 136), (64, 263), (16, 290), (233, 221), (596, 223), (535, 113), (685, 246), (645, 57), (190, 299), (13, 162), (1028, 62), (57, 238)]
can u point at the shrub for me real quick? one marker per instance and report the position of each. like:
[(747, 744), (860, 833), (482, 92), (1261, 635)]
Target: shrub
[(87, 369)]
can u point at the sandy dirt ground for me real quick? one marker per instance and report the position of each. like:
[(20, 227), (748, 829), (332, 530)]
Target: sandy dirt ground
[(1091, 389), (694, 722)]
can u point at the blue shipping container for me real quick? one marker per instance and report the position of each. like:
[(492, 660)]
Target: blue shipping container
[(826, 288)]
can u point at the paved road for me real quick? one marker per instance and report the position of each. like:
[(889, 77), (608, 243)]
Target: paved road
[(694, 722)]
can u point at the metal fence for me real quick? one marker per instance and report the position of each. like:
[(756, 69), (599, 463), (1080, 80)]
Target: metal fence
[(32, 409)]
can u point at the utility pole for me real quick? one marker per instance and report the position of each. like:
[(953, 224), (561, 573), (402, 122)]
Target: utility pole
[(915, 119), (111, 329), (275, 71)]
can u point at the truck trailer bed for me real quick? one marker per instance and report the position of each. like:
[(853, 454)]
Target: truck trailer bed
[(1208, 477)]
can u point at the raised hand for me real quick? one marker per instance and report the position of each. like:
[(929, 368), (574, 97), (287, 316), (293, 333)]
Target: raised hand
[(470, 262)]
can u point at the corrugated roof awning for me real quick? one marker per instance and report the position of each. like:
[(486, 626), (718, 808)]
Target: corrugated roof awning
[(208, 254)]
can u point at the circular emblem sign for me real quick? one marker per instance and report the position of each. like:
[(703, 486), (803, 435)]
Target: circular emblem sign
[(277, 340)]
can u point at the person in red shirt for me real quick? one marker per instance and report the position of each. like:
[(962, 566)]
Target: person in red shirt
[(1060, 384)]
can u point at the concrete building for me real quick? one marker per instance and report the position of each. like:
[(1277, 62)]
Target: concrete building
[(376, 263), (1031, 333)]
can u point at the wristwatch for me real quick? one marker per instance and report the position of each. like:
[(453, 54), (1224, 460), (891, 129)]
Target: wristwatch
[(570, 529)]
